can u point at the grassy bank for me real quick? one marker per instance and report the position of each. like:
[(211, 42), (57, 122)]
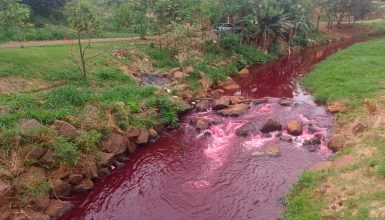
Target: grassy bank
[(356, 190)]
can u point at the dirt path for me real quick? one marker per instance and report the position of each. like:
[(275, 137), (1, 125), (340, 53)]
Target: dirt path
[(63, 42)]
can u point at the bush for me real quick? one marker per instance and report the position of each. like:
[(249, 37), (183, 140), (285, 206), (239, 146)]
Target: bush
[(230, 41), (66, 151), (162, 58), (35, 191), (168, 111), (41, 135), (193, 80), (88, 142), (249, 55), (209, 46)]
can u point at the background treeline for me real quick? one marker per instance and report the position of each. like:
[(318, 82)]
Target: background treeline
[(263, 21)]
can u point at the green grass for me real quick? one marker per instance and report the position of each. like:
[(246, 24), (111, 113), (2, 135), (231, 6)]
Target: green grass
[(52, 32), (108, 89), (352, 74), (377, 26), (300, 203)]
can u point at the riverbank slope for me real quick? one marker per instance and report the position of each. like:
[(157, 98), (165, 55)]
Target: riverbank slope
[(352, 186)]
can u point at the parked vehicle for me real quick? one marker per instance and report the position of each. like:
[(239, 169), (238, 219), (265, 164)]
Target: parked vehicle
[(227, 27)]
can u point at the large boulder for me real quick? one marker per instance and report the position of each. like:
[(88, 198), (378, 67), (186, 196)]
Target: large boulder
[(57, 208), (75, 179), (104, 159), (260, 101), (132, 132), (247, 128), (83, 186), (32, 176), (202, 106), (115, 144), (39, 203), (221, 103), (61, 188), (26, 126), (271, 125), (232, 86), (66, 129), (202, 124), (143, 137), (285, 102), (235, 110), (33, 152), (336, 142), (244, 73), (294, 128)]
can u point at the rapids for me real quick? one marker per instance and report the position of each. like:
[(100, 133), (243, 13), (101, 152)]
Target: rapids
[(212, 174)]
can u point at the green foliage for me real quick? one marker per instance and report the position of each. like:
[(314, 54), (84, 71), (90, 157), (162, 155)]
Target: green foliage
[(218, 73), (40, 135), (168, 111), (162, 58), (66, 151), (9, 138), (193, 80), (35, 190), (113, 74), (353, 74), (88, 142), (68, 96), (300, 205), (251, 55), (230, 41)]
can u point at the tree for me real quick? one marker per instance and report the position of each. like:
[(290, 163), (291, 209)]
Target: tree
[(15, 14), (85, 24), (46, 8)]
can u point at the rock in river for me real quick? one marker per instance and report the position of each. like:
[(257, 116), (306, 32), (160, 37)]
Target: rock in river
[(271, 125), (294, 128), (235, 110)]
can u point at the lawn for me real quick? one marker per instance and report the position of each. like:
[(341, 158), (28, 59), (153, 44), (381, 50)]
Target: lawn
[(351, 75)]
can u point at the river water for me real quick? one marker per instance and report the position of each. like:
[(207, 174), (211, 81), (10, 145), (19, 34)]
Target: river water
[(212, 175)]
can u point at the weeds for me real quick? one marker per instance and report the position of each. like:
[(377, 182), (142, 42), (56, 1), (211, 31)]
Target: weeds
[(66, 151), (35, 191)]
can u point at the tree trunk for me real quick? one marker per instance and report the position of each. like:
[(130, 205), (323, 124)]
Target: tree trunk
[(82, 60), (318, 21)]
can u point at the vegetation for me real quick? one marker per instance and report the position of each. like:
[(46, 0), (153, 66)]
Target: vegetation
[(351, 75), (356, 191)]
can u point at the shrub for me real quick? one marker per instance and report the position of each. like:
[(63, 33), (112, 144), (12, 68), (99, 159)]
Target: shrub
[(209, 46), (35, 190), (168, 111), (193, 80), (230, 41), (40, 135), (66, 151), (9, 138), (162, 58), (251, 55), (88, 142)]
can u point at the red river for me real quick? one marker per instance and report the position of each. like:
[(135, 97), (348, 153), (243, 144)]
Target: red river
[(212, 175)]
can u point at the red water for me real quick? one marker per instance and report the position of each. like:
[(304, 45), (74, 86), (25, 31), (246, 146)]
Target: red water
[(212, 175)]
